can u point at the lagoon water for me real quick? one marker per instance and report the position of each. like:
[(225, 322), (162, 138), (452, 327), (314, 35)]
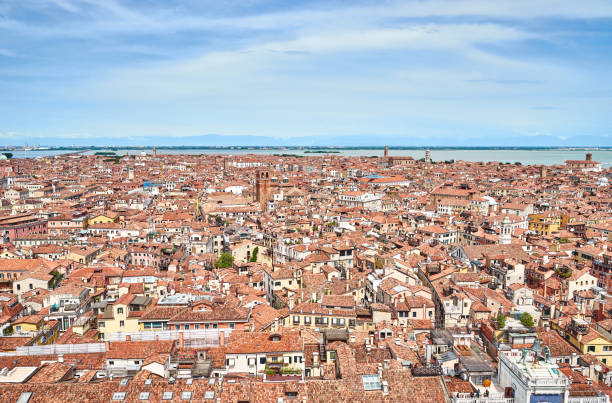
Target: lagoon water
[(524, 156)]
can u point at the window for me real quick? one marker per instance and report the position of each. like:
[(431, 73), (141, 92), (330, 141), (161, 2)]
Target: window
[(307, 320), (144, 396), (118, 396), (262, 360), (186, 395), (607, 348), (119, 311), (121, 323), (414, 314), (296, 320), (371, 382), (197, 326), (591, 349), (252, 362), (229, 362), (186, 327), (231, 325), (167, 395), (100, 324)]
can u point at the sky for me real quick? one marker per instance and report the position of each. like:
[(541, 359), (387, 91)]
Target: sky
[(426, 68)]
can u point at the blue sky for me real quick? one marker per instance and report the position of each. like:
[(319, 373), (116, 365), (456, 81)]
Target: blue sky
[(106, 68)]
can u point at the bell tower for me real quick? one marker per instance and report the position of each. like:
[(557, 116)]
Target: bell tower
[(262, 187), (505, 237)]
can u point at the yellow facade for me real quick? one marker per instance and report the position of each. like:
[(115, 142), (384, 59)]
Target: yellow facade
[(102, 219), (26, 327), (322, 321), (598, 347), (117, 320), (544, 225)]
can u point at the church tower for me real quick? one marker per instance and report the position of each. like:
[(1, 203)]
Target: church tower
[(386, 151), (505, 233), (262, 187)]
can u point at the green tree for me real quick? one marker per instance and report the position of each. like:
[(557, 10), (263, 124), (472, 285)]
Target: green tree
[(501, 320), (8, 155), (527, 320), (254, 256), (225, 260)]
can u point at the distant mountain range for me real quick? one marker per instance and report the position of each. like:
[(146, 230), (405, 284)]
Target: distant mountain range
[(215, 140)]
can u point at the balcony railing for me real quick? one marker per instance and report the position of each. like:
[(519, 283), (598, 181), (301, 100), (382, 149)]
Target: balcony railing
[(589, 399)]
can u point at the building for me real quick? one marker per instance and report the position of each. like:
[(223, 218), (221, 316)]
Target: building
[(122, 315), (16, 226), (262, 187), (586, 165), (527, 376), (364, 200)]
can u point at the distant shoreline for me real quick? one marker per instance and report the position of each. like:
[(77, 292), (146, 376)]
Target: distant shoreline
[(310, 149)]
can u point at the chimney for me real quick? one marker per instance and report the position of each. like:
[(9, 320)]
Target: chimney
[(181, 340), (222, 338)]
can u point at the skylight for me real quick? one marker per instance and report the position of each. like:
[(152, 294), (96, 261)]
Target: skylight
[(371, 382), (119, 396), (24, 397)]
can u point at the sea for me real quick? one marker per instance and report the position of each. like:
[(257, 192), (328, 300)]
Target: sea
[(546, 156)]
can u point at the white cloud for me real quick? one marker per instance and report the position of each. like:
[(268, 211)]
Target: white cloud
[(7, 53)]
